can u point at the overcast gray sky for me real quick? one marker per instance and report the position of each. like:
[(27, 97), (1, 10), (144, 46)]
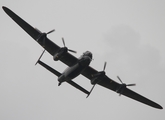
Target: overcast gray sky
[(128, 34)]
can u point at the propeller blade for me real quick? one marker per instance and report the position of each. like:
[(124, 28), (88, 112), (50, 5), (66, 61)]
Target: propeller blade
[(50, 31), (72, 51), (67, 48), (91, 90), (119, 79), (40, 57), (95, 75), (131, 85), (63, 41), (104, 66)]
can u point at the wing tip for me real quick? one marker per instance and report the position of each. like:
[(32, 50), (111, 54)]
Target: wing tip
[(4, 8), (7, 10), (155, 105), (160, 107)]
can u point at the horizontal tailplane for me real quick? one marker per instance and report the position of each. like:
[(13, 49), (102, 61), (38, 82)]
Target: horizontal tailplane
[(49, 68), (59, 74)]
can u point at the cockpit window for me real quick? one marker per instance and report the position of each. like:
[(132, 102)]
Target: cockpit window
[(88, 53)]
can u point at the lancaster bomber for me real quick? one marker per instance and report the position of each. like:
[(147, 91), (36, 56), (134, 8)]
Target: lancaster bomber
[(76, 66)]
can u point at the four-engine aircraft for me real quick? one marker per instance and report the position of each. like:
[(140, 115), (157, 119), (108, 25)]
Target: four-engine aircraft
[(76, 66)]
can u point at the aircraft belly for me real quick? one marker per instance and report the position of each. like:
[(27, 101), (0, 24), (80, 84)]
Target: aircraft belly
[(73, 71), (76, 71)]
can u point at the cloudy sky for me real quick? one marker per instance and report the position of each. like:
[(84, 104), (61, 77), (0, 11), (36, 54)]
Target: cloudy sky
[(128, 34)]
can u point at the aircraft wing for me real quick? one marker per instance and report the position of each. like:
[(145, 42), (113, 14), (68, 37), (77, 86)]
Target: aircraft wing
[(114, 86), (131, 94), (50, 46)]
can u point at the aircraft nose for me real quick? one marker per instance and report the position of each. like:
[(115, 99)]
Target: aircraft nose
[(85, 61)]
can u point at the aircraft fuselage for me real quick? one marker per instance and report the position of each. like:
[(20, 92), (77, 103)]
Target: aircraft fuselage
[(75, 70)]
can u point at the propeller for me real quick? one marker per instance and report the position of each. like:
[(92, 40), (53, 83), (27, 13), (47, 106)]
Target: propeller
[(105, 64), (122, 86), (99, 74), (42, 37), (91, 91), (50, 31), (124, 83), (65, 46), (40, 57)]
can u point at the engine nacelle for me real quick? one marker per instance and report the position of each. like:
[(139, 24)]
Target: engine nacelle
[(60, 53), (121, 88), (94, 80), (97, 77)]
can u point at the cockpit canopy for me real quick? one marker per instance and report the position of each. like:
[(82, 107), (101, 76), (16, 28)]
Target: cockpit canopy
[(88, 53)]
